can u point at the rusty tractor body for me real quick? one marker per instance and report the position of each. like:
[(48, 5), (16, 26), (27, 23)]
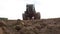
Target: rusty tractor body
[(30, 13)]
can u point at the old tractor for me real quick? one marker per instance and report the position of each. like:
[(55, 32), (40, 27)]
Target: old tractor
[(30, 13)]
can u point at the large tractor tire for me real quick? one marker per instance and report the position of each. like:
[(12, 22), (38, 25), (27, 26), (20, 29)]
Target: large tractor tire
[(24, 17), (37, 16)]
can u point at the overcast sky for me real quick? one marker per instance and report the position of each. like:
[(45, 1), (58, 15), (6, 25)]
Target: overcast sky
[(13, 9)]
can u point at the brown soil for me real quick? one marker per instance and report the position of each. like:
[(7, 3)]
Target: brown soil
[(43, 26)]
